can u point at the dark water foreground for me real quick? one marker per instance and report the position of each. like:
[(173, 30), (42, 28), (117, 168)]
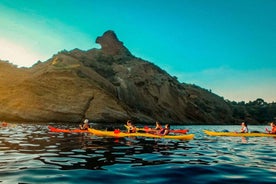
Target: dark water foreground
[(31, 154)]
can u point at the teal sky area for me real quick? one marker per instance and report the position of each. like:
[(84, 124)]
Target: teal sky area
[(227, 46)]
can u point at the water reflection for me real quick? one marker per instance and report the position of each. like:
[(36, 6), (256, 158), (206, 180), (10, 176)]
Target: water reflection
[(94, 153), (244, 139)]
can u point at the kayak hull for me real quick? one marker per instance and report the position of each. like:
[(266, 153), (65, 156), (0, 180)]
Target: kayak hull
[(53, 129), (123, 134), (235, 134)]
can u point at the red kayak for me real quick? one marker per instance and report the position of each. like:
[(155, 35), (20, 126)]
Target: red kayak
[(53, 129), (148, 130), (4, 124), (180, 131)]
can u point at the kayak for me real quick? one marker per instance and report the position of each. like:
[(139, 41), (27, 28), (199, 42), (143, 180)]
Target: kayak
[(236, 134), (147, 129), (53, 129), (4, 124), (118, 133)]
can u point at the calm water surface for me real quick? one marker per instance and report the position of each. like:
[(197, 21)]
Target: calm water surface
[(29, 153)]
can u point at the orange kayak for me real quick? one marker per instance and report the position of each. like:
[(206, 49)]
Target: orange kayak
[(53, 129), (4, 124)]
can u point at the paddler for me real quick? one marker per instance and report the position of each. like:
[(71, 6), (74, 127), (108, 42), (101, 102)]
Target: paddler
[(158, 126), (273, 128), (85, 125), (165, 131), (131, 127), (244, 128)]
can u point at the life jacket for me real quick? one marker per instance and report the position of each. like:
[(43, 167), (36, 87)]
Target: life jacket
[(244, 130), (273, 130), (162, 131), (131, 129)]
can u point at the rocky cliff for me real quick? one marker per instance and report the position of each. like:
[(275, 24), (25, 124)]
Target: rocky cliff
[(104, 85)]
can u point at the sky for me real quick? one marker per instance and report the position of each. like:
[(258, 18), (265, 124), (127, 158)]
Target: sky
[(226, 46)]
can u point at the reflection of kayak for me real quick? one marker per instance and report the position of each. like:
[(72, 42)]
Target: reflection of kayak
[(147, 129), (53, 129), (117, 133), (235, 134)]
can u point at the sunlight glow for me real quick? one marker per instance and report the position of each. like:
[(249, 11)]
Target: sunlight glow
[(17, 54)]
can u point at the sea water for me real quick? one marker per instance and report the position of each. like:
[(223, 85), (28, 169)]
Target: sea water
[(29, 153)]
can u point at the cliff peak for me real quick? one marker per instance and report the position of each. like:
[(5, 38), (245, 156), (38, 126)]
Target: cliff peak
[(111, 45)]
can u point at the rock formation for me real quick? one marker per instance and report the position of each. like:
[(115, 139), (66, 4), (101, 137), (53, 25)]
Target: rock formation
[(104, 85)]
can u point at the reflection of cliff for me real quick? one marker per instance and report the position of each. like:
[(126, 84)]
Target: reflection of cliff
[(108, 85)]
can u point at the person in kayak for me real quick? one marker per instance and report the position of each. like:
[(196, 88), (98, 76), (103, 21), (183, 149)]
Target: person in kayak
[(158, 126), (85, 125), (273, 128), (165, 131), (131, 127), (244, 128)]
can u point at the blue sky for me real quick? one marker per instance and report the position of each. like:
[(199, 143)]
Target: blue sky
[(227, 46)]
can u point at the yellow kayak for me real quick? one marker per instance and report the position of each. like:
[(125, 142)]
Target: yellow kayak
[(118, 133), (236, 134)]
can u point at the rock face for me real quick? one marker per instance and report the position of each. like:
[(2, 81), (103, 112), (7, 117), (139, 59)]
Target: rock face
[(104, 85)]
